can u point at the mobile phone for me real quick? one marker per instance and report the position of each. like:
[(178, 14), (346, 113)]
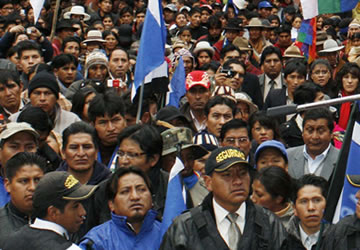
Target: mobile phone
[(229, 73)]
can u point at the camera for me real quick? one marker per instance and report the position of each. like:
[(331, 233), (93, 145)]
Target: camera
[(28, 31), (115, 83), (229, 73)]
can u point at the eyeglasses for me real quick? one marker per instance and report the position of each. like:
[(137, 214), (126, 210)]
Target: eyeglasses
[(130, 155), (232, 140), (323, 72)]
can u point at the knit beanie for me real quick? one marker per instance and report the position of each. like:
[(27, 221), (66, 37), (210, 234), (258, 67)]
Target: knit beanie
[(44, 79), (94, 58)]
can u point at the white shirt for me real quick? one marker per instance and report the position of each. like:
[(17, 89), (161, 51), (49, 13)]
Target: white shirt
[(223, 224), (199, 126), (314, 164), (48, 225), (299, 122), (267, 86), (308, 240)]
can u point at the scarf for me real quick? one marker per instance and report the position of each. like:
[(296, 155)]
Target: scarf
[(344, 112)]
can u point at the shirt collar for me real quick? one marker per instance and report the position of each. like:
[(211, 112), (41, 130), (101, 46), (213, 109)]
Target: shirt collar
[(277, 79), (221, 213), (304, 235), (322, 155), (48, 225)]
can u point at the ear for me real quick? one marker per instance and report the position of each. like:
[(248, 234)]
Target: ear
[(111, 205), (208, 182), (7, 185), (52, 213), (294, 208), (42, 59), (154, 159)]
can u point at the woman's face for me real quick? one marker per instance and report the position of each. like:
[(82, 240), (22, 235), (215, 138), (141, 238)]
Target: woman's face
[(180, 20), (355, 42), (319, 23), (185, 36), (88, 99), (261, 133), (321, 75), (297, 23), (261, 197), (111, 42), (21, 37), (108, 23), (350, 83)]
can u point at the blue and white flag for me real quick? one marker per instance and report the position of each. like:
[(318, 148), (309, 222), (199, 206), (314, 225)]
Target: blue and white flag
[(150, 62), (177, 85), (175, 202), (37, 5)]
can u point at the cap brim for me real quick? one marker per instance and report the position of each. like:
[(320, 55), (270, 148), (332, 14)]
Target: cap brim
[(198, 150), (94, 40), (193, 84), (82, 193), (232, 163), (331, 50), (34, 133)]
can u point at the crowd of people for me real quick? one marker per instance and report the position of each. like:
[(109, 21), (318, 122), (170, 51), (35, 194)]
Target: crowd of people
[(81, 169)]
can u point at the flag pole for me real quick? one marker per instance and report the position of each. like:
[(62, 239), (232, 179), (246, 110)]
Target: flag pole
[(138, 115), (54, 21)]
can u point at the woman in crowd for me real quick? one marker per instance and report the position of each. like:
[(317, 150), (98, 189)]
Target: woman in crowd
[(81, 101), (320, 73), (112, 41)]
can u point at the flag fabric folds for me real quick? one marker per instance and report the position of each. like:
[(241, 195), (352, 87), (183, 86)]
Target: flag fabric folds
[(37, 5), (312, 8), (150, 61), (306, 40), (341, 193), (177, 85), (175, 202)]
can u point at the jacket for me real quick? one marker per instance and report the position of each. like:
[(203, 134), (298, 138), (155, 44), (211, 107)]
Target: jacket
[(291, 133), (117, 234), (196, 229), (99, 174), (11, 220), (344, 235)]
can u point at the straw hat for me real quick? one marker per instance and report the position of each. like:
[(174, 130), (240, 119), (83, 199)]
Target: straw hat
[(242, 43), (94, 36), (321, 37), (354, 53), (293, 52), (243, 97), (255, 22), (77, 10), (355, 22), (330, 45), (203, 45)]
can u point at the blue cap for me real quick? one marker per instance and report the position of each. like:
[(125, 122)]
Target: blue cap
[(271, 144), (264, 4)]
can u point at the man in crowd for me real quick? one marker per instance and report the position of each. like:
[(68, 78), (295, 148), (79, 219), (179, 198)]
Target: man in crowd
[(80, 151), (195, 24), (23, 172), (318, 156), (58, 210)]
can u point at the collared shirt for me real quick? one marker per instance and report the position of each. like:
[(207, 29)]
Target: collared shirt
[(223, 224), (51, 226), (21, 106), (308, 240), (299, 122), (314, 166), (198, 125), (267, 86), (288, 102)]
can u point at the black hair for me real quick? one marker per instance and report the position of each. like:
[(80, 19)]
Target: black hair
[(313, 180), (113, 183), (9, 75), (62, 60), (270, 50), (126, 9), (355, 35), (219, 100), (319, 113), (28, 45), (274, 17), (214, 22), (227, 64), (37, 118), (195, 10), (42, 210), (21, 159), (265, 121), (320, 62), (76, 128), (283, 29), (213, 65), (109, 32), (11, 51), (306, 93), (349, 68), (70, 39), (182, 29), (78, 100), (140, 10), (5, 2), (108, 103), (295, 66), (233, 124), (119, 48), (277, 182), (227, 48)]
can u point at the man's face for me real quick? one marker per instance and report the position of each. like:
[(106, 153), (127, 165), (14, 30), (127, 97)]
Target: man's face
[(72, 217), (195, 20), (217, 117), (293, 80), (204, 16), (265, 12), (236, 81), (10, 95), (317, 136), (188, 64), (254, 33), (284, 39), (333, 58), (169, 16), (272, 65), (43, 98), (231, 187), (231, 35), (80, 152), (66, 74), (140, 18), (98, 71), (30, 58), (64, 33), (72, 48), (127, 18), (132, 199), (20, 142), (271, 157), (309, 207), (105, 6), (234, 54), (214, 32), (22, 187), (7, 9), (108, 128), (237, 137), (119, 64), (197, 97)]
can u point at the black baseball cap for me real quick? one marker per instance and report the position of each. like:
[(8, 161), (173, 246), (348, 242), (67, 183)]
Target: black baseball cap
[(60, 185), (223, 158)]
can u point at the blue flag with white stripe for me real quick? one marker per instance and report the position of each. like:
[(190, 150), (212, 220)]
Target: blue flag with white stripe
[(150, 62), (175, 202), (177, 85)]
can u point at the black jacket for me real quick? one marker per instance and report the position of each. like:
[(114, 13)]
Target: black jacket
[(291, 133), (196, 229)]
